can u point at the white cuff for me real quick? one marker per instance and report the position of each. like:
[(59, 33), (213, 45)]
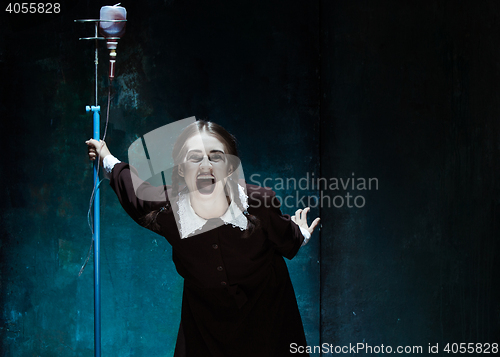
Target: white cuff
[(306, 235), (109, 162)]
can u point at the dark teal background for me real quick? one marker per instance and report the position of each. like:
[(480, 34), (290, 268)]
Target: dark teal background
[(247, 66), (404, 92)]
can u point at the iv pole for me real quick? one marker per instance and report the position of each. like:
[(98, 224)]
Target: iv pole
[(95, 109)]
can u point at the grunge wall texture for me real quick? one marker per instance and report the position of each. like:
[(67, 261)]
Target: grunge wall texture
[(405, 92)]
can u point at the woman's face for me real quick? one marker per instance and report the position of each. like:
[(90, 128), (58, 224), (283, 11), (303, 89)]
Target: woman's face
[(205, 168)]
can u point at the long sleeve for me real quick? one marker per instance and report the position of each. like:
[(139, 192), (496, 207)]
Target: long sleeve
[(282, 231), (306, 235), (109, 162), (139, 200)]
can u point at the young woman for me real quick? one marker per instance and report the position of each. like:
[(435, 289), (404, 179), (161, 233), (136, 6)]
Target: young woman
[(228, 243)]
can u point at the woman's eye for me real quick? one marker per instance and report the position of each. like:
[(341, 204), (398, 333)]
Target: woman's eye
[(216, 157), (195, 158)]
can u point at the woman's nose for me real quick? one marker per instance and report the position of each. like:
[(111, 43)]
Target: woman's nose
[(205, 162)]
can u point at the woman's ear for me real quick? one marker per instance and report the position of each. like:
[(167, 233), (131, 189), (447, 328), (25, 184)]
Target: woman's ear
[(180, 170)]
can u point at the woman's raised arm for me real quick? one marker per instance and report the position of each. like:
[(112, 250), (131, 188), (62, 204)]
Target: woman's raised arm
[(137, 197)]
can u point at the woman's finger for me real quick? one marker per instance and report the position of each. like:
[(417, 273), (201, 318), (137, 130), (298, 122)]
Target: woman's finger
[(93, 141), (303, 216), (314, 225)]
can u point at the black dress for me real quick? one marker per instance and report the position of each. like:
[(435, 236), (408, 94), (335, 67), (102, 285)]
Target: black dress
[(238, 299)]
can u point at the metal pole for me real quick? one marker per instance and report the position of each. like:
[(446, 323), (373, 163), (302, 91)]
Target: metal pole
[(97, 219), (97, 241), (97, 246), (96, 222)]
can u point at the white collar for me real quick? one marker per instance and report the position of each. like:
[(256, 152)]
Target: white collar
[(190, 222)]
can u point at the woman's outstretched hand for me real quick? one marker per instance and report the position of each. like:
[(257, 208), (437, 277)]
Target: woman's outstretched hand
[(97, 148), (300, 218)]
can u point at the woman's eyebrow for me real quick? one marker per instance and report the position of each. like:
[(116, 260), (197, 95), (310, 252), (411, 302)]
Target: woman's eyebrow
[(211, 151)]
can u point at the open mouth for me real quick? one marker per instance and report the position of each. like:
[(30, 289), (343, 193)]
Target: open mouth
[(205, 184)]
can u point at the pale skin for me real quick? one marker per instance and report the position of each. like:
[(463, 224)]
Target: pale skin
[(205, 157), (205, 164)]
